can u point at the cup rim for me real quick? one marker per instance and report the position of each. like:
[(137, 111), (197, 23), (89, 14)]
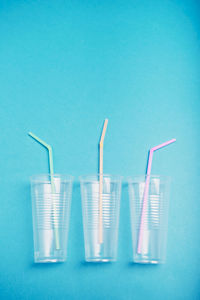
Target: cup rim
[(137, 178), (91, 177), (47, 177)]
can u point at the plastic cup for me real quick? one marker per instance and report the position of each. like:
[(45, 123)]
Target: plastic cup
[(51, 213), (111, 192), (154, 232)]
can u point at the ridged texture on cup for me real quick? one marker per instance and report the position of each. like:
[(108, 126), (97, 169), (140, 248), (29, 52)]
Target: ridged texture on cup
[(107, 250), (155, 222), (51, 212)]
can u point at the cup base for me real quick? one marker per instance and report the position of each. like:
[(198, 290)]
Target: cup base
[(48, 260), (99, 259), (146, 261), (41, 258)]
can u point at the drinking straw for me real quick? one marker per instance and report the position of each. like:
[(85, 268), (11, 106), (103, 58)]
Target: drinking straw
[(101, 181), (49, 148), (146, 191)]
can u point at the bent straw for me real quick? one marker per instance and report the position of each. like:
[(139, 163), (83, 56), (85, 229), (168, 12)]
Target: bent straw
[(146, 191), (101, 181), (49, 148)]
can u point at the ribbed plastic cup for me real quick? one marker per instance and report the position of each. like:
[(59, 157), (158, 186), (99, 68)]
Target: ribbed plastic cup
[(51, 213), (111, 192), (154, 232)]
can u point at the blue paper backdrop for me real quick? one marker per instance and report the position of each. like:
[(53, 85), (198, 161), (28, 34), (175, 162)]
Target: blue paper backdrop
[(64, 67)]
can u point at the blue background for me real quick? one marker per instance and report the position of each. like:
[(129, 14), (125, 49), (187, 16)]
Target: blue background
[(64, 67)]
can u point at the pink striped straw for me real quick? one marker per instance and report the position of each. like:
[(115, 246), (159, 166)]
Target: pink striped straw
[(146, 191)]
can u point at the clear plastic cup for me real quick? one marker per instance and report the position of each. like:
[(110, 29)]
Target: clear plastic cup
[(154, 231), (51, 199), (97, 250)]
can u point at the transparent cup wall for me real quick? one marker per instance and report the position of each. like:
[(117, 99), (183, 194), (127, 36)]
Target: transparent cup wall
[(51, 200), (154, 233), (96, 251)]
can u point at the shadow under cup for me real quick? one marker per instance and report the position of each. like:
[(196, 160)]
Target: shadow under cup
[(51, 201), (102, 249), (151, 231)]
